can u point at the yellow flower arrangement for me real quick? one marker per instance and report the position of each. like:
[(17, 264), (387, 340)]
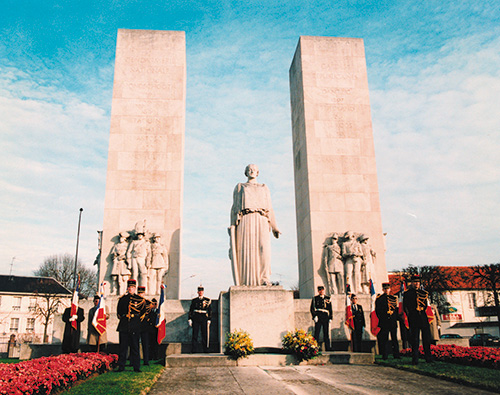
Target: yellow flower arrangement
[(238, 344)]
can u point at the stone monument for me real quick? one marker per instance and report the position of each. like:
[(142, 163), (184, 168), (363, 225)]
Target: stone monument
[(144, 182), (336, 188)]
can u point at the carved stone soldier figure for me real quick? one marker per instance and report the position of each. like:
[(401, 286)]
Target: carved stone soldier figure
[(159, 264), (137, 255), (353, 256), (368, 264), (334, 266), (120, 272)]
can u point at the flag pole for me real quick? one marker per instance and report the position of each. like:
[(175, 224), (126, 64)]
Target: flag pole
[(77, 242)]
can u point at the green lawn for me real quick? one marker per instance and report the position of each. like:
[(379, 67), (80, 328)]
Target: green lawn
[(119, 383), (9, 360), (473, 376)]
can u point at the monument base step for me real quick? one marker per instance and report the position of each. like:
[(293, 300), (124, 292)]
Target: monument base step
[(212, 360)]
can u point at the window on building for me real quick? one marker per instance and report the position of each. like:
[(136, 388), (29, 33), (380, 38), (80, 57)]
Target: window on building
[(16, 304), (32, 304), (14, 324), (472, 300), (30, 325)]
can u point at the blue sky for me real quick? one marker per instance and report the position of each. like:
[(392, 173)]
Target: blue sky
[(434, 87)]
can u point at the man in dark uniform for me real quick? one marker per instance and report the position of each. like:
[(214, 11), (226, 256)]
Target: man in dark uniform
[(200, 314), (415, 303), (359, 323), (145, 327), (71, 338), (386, 308), (321, 311), (131, 307)]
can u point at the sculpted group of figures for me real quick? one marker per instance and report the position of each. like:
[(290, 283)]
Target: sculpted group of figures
[(139, 255), (348, 260), (415, 313)]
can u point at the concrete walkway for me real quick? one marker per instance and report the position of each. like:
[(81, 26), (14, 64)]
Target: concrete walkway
[(302, 380)]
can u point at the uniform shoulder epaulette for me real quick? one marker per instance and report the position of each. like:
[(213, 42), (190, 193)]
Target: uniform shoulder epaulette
[(378, 296)]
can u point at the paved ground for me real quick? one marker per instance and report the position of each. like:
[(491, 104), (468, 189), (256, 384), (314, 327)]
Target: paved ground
[(303, 380)]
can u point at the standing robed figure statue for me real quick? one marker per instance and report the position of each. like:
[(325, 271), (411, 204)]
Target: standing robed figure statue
[(252, 219)]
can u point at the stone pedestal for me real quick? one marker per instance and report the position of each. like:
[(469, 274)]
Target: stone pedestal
[(266, 313)]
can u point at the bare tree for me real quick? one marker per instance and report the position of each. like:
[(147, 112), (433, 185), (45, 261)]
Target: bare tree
[(61, 267), (489, 275), (435, 280)]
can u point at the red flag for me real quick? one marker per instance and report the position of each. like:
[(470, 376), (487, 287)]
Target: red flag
[(374, 328), (160, 320), (74, 305), (349, 318), (99, 320), (430, 314)]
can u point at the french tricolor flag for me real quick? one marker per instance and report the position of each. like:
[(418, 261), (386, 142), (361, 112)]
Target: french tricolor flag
[(160, 320), (374, 328), (74, 304), (349, 318), (99, 320), (400, 309)]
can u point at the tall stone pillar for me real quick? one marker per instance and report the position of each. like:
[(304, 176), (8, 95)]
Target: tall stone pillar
[(334, 159), (146, 146)]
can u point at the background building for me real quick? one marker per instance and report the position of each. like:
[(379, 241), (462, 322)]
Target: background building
[(27, 305)]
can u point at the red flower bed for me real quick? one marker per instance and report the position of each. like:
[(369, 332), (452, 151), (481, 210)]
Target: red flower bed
[(478, 356), (47, 374)]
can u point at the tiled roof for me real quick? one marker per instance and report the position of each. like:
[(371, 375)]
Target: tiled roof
[(32, 285), (456, 278)]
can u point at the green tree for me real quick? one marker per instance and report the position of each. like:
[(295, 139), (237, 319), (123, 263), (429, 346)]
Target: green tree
[(61, 267)]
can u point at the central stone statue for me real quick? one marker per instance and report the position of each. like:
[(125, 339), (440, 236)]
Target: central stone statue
[(252, 218)]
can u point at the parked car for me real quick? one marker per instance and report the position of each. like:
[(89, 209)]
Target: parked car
[(451, 336), (484, 339)]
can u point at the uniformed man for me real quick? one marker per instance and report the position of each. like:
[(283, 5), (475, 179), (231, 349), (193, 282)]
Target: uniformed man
[(131, 307), (415, 304), (200, 314), (146, 329), (386, 308), (321, 311), (358, 317)]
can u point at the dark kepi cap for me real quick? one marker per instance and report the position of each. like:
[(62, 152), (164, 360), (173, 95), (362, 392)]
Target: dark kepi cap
[(154, 300), (97, 297), (131, 283), (320, 287), (201, 289), (416, 277), (386, 285), (141, 289)]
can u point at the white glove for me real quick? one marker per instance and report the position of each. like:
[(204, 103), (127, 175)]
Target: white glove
[(190, 323), (315, 319), (73, 318), (329, 321), (208, 322)]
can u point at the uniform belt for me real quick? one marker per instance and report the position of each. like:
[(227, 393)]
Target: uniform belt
[(323, 310), (201, 311)]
